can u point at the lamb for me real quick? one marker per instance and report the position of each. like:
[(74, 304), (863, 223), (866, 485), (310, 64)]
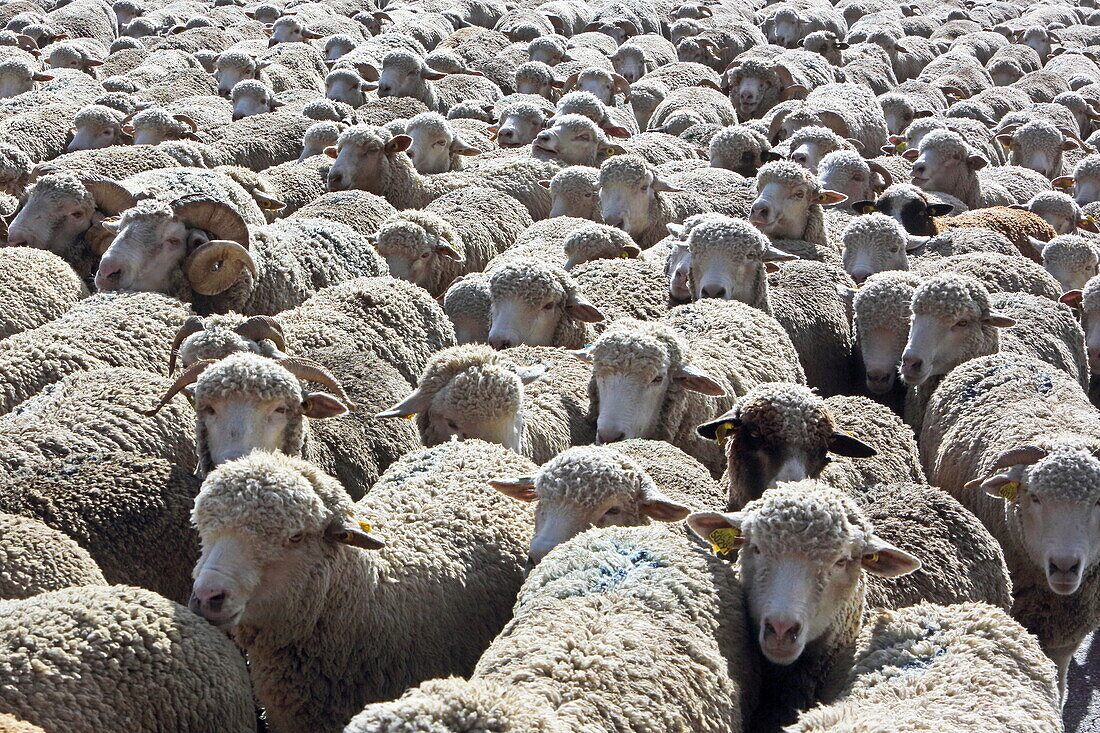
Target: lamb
[(131, 330), (849, 110), (630, 197), (372, 159), (930, 662), (820, 558), (728, 261), (943, 162), (37, 559), (576, 192), (1070, 258), (346, 660), (532, 400), (37, 288), (426, 247), (741, 149), (781, 432), (1041, 474), (188, 674), (267, 270), (647, 592), (405, 74), (701, 350), (789, 203), (1061, 212)]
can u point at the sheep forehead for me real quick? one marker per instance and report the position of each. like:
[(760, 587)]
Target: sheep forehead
[(16, 68), (949, 295), (738, 136), (248, 376), (595, 238), (268, 495), (215, 341), (1055, 202), (884, 300), (1067, 473), (787, 173), (729, 236), (576, 123), (401, 236), (628, 170), (1071, 250), (842, 161), (874, 230), (402, 61), (895, 101), (235, 59), (807, 517), (154, 118), (531, 282), (521, 109), (575, 178), (288, 21), (903, 192), (1038, 132), (534, 70), (756, 68), (442, 367), (325, 129), (787, 413), (148, 211), (1088, 167), (589, 476), (637, 347), (367, 137), (469, 295), (58, 186), (947, 141), (1091, 295), (96, 114), (250, 88), (432, 123), (481, 392), (348, 76), (594, 75), (816, 134)]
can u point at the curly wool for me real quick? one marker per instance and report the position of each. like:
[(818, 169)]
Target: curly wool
[(639, 347), (97, 114), (815, 134), (731, 143), (807, 517), (575, 180), (535, 73), (949, 295), (884, 301), (251, 88), (626, 170), (585, 104), (788, 174), (35, 558), (161, 121), (412, 233), (524, 110), (731, 238), (590, 476), (536, 283), (1087, 167), (1067, 473), (473, 379), (467, 303), (1058, 204), (232, 59), (787, 412), (1090, 295), (596, 241), (64, 186), (1072, 251)]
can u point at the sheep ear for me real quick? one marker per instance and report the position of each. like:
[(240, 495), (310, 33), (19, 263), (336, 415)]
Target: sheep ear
[(1063, 182), (724, 531), (522, 488), (579, 309), (630, 252), (660, 184), (416, 402), (1072, 298), (863, 207), (886, 561), (1037, 245), (321, 405), (998, 321), (42, 77), (1005, 139), (367, 71), (432, 75), (914, 242), (854, 143), (846, 445), (827, 197), (841, 45), (716, 429), (771, 254), (532, 373), (545, 184), (1069, 145), (658, 506), (615, 131), (695, 379), (442, 249), (354, 536), (939, 209), (1088, 224), (676, 230), (399, 144), (910, 154), (461, 148), (331, 151), (977, 162)]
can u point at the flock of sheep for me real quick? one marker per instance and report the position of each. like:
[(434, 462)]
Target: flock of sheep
[(746, 352)]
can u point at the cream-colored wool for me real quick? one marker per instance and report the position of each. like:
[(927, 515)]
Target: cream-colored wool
[(535, 283), (740, 149), (794, 175), (36, 559)]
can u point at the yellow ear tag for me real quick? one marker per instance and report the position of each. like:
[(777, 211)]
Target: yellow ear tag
[(1090, 219), (406, 417), (624, 256), (722, 539), (872, 558), (609, 151), (902, 146), (1009, 491), (721, 432), (365, 527)]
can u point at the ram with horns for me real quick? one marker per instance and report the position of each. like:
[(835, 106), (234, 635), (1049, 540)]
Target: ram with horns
[(200, 250)]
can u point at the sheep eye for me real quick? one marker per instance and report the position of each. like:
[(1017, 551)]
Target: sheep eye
[(843, 562), (658, 379), (208, 410), (77, 214), (426, 255), (755, 550), (295, 538), (281, 410), (548, 306), (799, 194), (613, 512), (962, 324)]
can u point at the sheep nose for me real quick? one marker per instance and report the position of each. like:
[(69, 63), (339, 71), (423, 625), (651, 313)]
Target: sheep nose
[(109, 276), (714, 291), (759, 212), (337, 182), (543, 137), (237, 116), (782, 629), (919, 170), (800, 158), (747, 96), (613, 221), (272, 42), (610, 435), (859, 276), (207, 601), (501, 342), (1066, 565), (911, 365), (506, 134), (384, 90), (16, 240)]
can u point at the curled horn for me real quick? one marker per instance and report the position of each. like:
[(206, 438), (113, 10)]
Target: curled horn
[(310, 371), (1025, 455), (887, 179), (193, 324), (216, 265), (187, 121), (189, 377), (110, 196), (216, 217), (258, 328)]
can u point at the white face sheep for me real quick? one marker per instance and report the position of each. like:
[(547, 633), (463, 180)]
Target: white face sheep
[(345, 85), (532, 303), (944, 162), (406, 75), (576, 192), (231, 68), (881, 322), (435, 144), (1085, 181), (786, 196), (588, 487), (17, 77), (952, 322), (628, 191), (847, 172), (601, 83), (1070, 258), (289, 29), (728, 259), (57, 210), (518, 125), (252, 98), (1038, 145), (1088, 300), (874, 243), (414, 242), (571, 140), (1061, 212), (803, 550), (97, 126), (809, 145)]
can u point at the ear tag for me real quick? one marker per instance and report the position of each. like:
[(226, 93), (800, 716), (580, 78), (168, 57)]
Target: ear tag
[(722, 539), (365, 527), (406, 417), (1090, 219), (624, 256), (721, 433), (901, 147), (609, 151), (872, 558), (1010, 491)]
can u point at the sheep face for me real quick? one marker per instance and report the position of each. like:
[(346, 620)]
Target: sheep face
[(434, 142), (727, 260), (230, 71), (1072, 260), (1052, 505), (787, 30), (236, 424), (569, 139), (362, 161), (575, 193), (529, 301), (412, 252), (290, 30), (804, 548), (519, 128), (251, 100), (148, 249), (909, 206), (404, 75), (18, 77), (630, 63), (898, 112), (874, 243), (53, 215), (345, 86), (1090, 322), (942, 167), (1038, 145), (846, 174), (1004, 72), (626, 202), (782, 208), (91, 135), (600, 84), (587, 487), (678, 269), (750, 92)]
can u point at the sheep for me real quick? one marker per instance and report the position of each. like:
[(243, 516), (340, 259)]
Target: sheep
[(10, 724), (576, 192), (572, 139), (635, 199), (405, 74), (689, 106), (130, 330), (96, 126), (1084, 182), (252, 97), (597, 241), (740, 149), (944, 162), (1011, 63), (17, 77), (1039, 145), (848, 173), (808, 145), (760, 83), (267, 270), (819, 557), (519, 123), (531, 400), (1070, 258), (537, 79), (62, 652), (672, 614), (849, 110), (537, 304), (467, 304), (37, 288), (728, 261), (652, 380), (37, 559), (930, 662), (910, 101), (779, 432), (435, 493), (390, 173), (1085, 300), (1042, 474), (1062, 213), (788, 203)]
